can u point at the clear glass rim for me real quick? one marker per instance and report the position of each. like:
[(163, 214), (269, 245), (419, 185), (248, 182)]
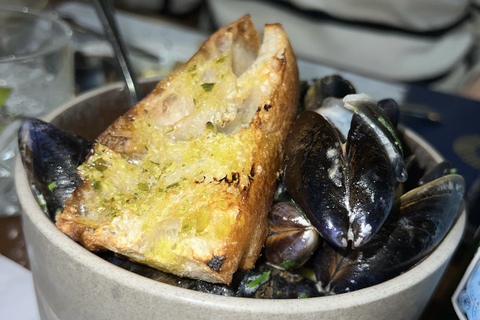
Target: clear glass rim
[(66, 34)]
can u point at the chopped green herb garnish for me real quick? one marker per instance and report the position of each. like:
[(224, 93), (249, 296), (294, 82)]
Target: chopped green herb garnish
[(303, 296), (210, 126), (287, 264), (97, 185), (143, 186), (208, 86), (101, 165), (259, 280), (52, 185), (387, 125)]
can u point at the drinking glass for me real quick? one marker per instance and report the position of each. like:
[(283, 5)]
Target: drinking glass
[(36, 75)]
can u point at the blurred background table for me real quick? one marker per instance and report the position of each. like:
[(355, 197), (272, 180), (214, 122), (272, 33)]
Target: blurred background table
[(12, 244)]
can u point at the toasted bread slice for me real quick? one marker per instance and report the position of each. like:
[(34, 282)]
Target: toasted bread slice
[(184, 180)]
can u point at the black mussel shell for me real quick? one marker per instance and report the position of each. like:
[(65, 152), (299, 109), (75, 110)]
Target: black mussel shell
[(378, 123), (340, 117), (311, 149), (346, 194), (339, 113), (331, 86), (50, 157), (281, 193), (441, 169), (420, 219), (391, 109), (291, 238)]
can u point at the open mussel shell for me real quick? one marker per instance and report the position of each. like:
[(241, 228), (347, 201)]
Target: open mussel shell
[(381, 117), (339, 113), (50, 157), (374, 119), (441, 169), (340, 117), (419, 220), (391, 109), (291, 238), (311, 150), (346, 191), (331, 86)]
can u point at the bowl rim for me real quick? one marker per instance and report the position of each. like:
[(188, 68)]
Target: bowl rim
[(288, 306)]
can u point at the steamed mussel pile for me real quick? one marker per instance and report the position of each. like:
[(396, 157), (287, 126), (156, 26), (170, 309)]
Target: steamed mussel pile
[(354, 206)]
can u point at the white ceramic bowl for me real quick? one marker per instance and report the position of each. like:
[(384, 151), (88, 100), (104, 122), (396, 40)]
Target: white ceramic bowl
[(72, 283)]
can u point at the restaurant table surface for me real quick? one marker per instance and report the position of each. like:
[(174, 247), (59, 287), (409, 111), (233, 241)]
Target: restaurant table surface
[(16, 285), (17, 295)]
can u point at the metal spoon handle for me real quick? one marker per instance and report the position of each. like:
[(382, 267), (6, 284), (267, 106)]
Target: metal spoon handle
[(105, 11)]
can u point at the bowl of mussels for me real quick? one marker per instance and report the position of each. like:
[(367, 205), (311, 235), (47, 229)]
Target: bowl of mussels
[(339, 144)]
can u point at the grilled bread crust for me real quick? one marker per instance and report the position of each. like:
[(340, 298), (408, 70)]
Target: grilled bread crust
[(184, 180)]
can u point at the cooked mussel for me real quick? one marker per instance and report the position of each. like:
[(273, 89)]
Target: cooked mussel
[(51, 157), (391, 109), (331, 86), (420, 219), (291, 238), (345, 189), (441, 169), (339, 112)]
